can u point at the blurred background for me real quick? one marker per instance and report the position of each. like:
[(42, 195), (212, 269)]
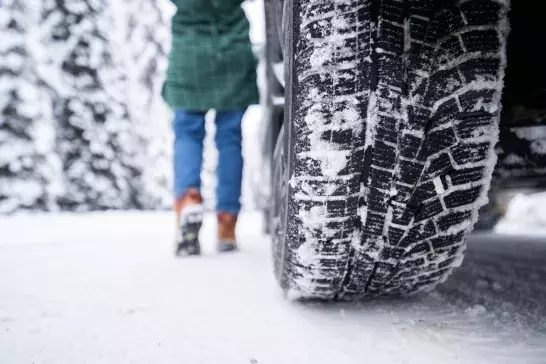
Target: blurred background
[(83, 126)]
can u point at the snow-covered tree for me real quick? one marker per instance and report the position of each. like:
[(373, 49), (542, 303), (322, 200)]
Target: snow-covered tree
[(99, 127), (29, 167), (93, 126), (143, 36), (83, 126)]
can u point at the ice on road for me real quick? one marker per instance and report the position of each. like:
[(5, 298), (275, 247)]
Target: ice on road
[(105, 288)]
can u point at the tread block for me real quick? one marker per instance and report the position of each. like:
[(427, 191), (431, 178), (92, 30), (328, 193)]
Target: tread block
[(351, 205), (303, 63), (395, 234), (410, 171), (344, 82), (388, 101), (390, 70), (392, 10), (386, 129), (384, 155), (419, 249), (323, 82), (481, 12), (423, 8), (401, 215), (479, 69), (481, 40), (316, 8), (452, 219), (429, 209), (451, 49), (449, 20), (414, 263), (417, 233), (336, 207), (463, 197), (378, 200), (318, 29), (418, 117), (417, 85), (444, 267), (447, 241), (380, 178), (335, 229), (307, 167), (439, 164), (418, 28), (437, 141), (470, 153), (446, 112), (346, 23), (391, 38), (474, 127), (374, 224), (410, 145), (444, 83), (462, 176), (425, 191), (403, 192), (346, 50), (477, 99), (338, 136)]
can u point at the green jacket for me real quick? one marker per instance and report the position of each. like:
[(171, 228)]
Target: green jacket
[(211, 65)]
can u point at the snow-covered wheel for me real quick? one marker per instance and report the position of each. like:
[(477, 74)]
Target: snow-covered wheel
[(391, 118)]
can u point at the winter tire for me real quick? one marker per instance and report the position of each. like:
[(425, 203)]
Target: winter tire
[(391, 119)]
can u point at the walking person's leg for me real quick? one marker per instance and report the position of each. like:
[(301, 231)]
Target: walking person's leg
[(230, 175), (189, 132)]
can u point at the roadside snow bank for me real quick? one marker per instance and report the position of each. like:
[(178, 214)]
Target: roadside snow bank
[(526, 215)]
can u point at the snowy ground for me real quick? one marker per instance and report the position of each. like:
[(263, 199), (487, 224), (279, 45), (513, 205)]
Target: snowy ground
[(104, 288)]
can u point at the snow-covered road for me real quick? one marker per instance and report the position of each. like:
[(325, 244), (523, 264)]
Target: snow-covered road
[(104, 288)]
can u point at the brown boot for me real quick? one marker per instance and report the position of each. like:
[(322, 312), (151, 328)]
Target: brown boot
[(189, 218), (226, 232), (191, 197)]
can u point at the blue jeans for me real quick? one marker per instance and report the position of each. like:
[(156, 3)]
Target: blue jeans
[(189, 130)]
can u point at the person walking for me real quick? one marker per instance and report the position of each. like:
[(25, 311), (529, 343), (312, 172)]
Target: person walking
[(211, 66)]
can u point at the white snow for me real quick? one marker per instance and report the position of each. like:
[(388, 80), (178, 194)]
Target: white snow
[(321, 56), (476, 311), (526, 215), (254, 10), (105, 288), (438, 186)]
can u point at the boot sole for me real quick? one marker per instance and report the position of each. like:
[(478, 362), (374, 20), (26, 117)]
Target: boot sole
[(189, 240), (188, 233), (226, 247)]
